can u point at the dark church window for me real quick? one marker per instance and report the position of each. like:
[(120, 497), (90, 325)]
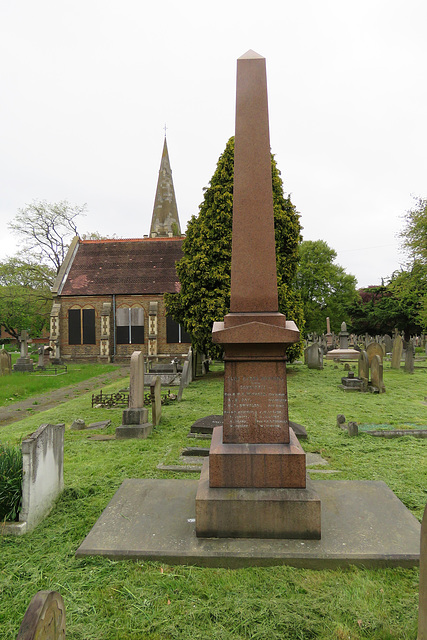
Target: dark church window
[(176, 333), (81, 326), (130, 325)]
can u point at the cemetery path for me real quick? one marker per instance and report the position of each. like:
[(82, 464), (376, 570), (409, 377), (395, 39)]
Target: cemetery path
[(15, 412)]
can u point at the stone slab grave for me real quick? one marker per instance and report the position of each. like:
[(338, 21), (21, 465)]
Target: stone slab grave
[(254, 503), (363, 523), (135, 418), (43, 477)]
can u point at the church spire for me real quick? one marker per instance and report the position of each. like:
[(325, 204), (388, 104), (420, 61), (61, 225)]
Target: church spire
[(165, 220)]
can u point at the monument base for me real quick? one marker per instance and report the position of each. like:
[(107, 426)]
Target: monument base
[(24, 364), (256, 513), (133, 431), (258, 466)]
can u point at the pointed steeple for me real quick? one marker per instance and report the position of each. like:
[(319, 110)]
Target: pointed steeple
[(165, 220)]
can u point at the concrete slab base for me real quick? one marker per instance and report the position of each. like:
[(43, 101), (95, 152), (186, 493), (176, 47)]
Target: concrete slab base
[(256, 513), (363, 523), (134, 431)]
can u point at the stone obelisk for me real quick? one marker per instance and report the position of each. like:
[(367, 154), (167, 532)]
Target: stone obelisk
[(254, 483)]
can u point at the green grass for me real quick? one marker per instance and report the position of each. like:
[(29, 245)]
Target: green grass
[(21, 385), (10, 481), (108, 600)]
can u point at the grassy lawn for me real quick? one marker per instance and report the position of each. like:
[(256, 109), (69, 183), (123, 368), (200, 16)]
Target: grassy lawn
[(109, 600), (21, 385)]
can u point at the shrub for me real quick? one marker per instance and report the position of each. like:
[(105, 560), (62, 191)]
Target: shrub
[(10, 482)]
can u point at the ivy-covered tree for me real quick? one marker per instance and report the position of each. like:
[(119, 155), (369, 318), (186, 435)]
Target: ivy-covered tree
[(204, 270)]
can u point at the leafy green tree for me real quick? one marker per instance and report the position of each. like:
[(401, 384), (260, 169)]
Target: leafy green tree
[(204, 270), (325, 288), (25, 296), (401, 304), (46, 230), (414, 234)]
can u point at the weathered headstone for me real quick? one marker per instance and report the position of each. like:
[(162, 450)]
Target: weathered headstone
[(24, 363), (40, 362), (249, 491), (422, 597), (377, 381), (363, 369), (156, 400), (78, 425), (5, 363), (409, 357), (388, 343), (314, 356), (396, 355), (44, 618), (374, 349), (135, 418), (353, 429)]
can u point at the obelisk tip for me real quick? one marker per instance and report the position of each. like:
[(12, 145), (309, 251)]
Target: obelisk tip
[(250, 55)]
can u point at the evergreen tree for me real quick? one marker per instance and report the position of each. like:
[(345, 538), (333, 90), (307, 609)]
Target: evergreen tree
[(204, 270)]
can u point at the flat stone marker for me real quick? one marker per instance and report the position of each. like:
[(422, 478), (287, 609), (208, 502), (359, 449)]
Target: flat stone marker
[(422, 606), (206, 424), (44, 618)]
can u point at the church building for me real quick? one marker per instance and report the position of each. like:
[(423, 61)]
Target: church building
[(109, 294)]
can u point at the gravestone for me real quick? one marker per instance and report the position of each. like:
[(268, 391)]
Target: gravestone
[(363, 368), (377, 382), (40, 362), (388, 343), (396, 355), (409, 357), (24, 363), (254, 483), (135, 418), (314, 356), (44, 618), (5, 363), (328, 333), (343, 335), (374, 349), (422, 597), (156, 400)]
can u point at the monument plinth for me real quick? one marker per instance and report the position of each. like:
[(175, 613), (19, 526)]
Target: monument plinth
[(254, 483)]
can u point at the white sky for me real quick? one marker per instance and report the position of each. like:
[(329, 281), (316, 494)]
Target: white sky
[(86, 87)]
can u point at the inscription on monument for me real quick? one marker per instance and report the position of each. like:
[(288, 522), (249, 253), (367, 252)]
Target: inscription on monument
[(255, 406)]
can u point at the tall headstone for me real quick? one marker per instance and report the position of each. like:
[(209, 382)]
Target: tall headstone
[(254, 483), (313, 356), (24, 362), (388, 343), (377, 381), (409, 357), (328, 333), (156, 400), (135, 418), (396, 355), (343, 336), (422, 606), (363, 369)]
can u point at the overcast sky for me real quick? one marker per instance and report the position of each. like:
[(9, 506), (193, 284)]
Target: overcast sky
[(88, 85)]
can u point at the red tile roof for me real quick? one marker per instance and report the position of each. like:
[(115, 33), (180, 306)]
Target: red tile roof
[(142, 266)]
